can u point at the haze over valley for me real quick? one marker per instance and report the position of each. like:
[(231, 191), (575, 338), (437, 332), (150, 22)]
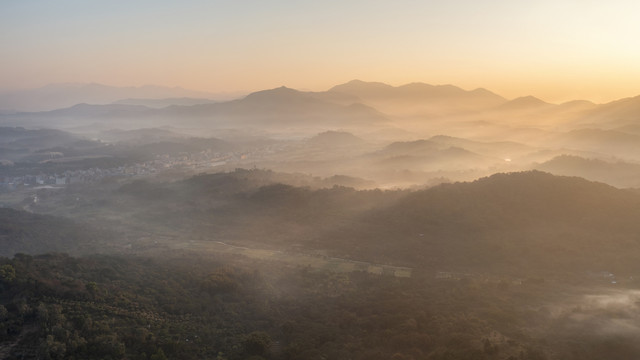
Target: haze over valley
[(331, 180), (425, 134), (416, 185)]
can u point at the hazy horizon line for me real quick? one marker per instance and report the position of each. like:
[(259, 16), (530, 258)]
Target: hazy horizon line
[(244, 92)]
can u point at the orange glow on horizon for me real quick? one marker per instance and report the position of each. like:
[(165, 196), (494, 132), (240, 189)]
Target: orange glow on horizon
[(554, 50)]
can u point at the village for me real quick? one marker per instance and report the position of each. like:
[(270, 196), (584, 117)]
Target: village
[(188, 162)]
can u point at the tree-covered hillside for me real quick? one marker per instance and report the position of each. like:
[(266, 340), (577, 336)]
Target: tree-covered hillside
[(521, 222), (196, 307), (528, 223)]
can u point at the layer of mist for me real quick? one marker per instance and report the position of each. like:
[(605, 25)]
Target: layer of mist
[(363, 222)]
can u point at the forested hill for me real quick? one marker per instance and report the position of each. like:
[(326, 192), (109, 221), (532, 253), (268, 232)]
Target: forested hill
[(524, 223), (529, 222), (524, 243), (519, 199), (204, 307)]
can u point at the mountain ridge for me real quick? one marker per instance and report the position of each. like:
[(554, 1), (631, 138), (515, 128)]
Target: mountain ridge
[(62, 95), (415, 89), (350, 104)]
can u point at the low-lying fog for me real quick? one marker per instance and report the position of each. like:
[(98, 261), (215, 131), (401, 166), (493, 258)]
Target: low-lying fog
[(370, 195)]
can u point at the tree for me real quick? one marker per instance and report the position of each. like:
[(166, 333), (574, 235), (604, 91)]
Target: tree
[(159, 355), (257, 343), (92, 288), (7, 273)]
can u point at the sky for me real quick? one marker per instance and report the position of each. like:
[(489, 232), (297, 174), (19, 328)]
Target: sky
[(557, 50)]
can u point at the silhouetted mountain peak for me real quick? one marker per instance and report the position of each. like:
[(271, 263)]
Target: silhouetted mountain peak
[(277, 94), (363, 89), (524, 103), (419, 86), (336, 138), (484, 92), (444, 138), (405, 147)]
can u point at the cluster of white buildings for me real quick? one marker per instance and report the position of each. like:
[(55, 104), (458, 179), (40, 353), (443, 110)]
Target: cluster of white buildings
[(164, 162)]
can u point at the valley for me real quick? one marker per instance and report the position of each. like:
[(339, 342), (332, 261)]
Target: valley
[(366, 221)]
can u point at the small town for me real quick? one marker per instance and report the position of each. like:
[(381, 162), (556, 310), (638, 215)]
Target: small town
[(197, 161)]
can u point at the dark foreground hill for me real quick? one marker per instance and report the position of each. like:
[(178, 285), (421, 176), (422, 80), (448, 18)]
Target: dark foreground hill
[(203, 307), (525, 254)]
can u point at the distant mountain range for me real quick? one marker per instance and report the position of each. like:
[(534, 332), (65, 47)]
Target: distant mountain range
[(413, 91), (269, 108), (56, 96), (419, 97), (445, 100), (620, 174), (353, 104), (162, 103), (623, 112), (611, 142)]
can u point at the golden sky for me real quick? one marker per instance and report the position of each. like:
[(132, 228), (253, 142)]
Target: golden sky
[(556, 50)]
